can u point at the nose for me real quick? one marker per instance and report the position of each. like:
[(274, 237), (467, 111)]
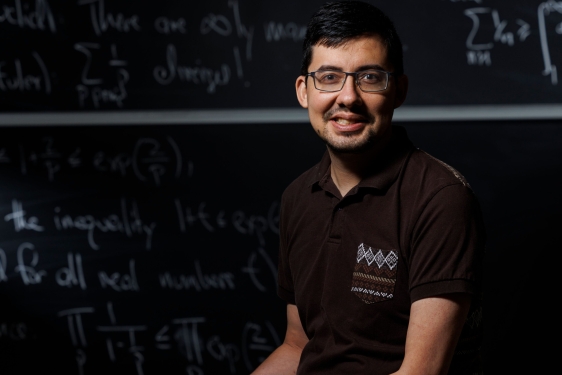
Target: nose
[(350, 94)]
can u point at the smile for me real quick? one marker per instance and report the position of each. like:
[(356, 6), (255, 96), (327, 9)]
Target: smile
[(344, 125)]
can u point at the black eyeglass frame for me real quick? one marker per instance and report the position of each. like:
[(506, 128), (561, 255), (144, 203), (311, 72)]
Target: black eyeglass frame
[(355, 76)]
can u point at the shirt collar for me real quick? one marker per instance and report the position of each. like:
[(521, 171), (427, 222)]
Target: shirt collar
[(385, 168)]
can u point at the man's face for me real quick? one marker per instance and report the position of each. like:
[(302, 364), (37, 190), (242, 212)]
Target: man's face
[(351, 120)]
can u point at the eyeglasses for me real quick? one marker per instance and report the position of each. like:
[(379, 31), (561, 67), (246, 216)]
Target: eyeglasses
[(371, 80)]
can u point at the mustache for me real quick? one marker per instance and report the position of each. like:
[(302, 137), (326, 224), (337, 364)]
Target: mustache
[(334, 111)]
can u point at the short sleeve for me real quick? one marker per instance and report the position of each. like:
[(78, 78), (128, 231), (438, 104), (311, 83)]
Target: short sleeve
[(447, 244)]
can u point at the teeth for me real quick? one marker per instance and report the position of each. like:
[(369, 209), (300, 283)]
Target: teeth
[(342, 121)]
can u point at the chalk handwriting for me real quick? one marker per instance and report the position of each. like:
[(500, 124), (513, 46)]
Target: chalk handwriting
[(73, 274), (112, 163), (77, 333), (479, 53), (162, 338), (17, 331), (49, 158), (29, 275), (3, 266), (221, 352), (242, 30), (91, 89), (165, 25), (98, 95), (254, 272), (198, 75), (120, 282), (86, 48), (21, 222), (75, 326), (243, 223), (151, 162), (473, 14), (221, 25), (545, 10), (128, 221), (217, 23), (17, 80), (121, 341), (188, 338), (40, 18), (199, 281), (258, 343), (277, 31), (102, 20), (126, 342)]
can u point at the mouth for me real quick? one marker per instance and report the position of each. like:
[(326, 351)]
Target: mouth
[(347, 124)]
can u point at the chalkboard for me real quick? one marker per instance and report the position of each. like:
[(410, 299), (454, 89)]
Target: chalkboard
[(130, 245), (142, 250), (153, 249), (223, 54)]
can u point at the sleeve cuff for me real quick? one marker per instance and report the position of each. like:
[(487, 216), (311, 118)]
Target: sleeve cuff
[(441, 287), (286, 295)]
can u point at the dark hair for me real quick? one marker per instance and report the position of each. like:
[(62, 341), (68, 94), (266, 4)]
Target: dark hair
[(335, 23)]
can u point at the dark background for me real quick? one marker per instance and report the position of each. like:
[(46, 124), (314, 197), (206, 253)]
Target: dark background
[(456, 53), (227, 179)]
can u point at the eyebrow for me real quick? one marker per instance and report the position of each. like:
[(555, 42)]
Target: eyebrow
[(363, 67)]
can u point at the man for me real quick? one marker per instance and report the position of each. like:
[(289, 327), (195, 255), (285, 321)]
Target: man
[(381, 245)]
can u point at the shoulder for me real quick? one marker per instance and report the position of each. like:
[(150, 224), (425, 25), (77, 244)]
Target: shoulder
[(428, 185), (425, 171)]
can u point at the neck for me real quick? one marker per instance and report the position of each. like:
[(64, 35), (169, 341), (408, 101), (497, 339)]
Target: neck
[(348, 169)]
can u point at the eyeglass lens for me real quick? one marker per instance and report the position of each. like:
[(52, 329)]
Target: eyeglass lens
[(368, 80)]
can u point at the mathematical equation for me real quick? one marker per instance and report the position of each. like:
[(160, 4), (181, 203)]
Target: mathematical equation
[(150, 160), (106, 71), (190, 339), (490, 28)]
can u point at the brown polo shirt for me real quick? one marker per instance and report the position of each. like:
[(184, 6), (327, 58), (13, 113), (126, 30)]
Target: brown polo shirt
[(354, 265)]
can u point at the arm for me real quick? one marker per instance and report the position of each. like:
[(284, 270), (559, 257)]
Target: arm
[(285, 359), (433, 332)]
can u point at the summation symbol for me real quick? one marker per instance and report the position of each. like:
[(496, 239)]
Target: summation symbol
[(90, 88), (479, 53)]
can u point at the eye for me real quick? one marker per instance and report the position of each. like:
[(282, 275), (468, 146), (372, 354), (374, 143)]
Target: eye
[(372, 76), (328, 77)]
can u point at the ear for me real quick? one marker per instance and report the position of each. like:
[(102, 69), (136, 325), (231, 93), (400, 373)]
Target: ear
[(302, 94), (401, 90)]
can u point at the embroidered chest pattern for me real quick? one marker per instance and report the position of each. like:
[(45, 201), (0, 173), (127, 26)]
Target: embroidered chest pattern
[(374, 275)]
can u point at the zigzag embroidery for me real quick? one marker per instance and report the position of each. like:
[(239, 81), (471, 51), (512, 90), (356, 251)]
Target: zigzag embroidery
[(391, 260), (371, 291), (380, 272), (375, 278)]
